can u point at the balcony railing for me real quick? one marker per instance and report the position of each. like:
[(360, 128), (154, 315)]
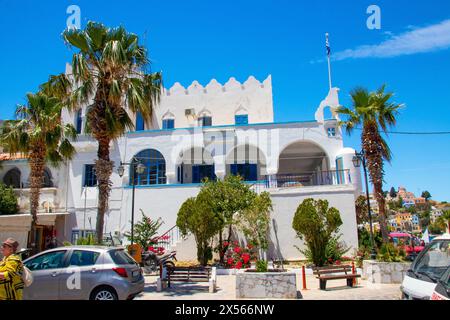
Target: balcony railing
[(306, 179)]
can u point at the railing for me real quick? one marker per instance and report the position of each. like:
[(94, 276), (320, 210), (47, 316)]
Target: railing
[(168, 239), (306, 179)]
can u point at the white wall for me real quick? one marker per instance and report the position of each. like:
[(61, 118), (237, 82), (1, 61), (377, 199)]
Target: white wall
[(251, 97), (285, 204)]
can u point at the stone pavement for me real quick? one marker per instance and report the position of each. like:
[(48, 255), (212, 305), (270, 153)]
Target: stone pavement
[(226, 290)]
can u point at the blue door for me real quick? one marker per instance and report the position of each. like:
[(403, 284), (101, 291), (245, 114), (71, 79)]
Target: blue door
[(248, 171), (199, 172)]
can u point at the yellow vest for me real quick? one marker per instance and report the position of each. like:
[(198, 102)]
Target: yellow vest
[(11, 287)]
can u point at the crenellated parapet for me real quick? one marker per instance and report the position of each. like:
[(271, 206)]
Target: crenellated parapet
[(214, 87)]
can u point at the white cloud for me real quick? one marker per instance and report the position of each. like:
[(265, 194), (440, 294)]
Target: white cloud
[(419, 40)]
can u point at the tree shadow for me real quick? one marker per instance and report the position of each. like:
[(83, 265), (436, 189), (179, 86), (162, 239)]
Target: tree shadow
[(181, 289)]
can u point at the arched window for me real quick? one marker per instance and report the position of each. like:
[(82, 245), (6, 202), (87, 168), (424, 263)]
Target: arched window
[(168, 121), (155, 168), (79, 121), (205, 119), (12, 178), (47, 181), (241, 116)]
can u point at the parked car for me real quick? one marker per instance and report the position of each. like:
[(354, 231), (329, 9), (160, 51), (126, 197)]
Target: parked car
[(410, 244), (82, 273), (442, 290), (427, 269)]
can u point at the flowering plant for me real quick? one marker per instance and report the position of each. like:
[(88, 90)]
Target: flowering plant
[(236, 256), (157, 250)]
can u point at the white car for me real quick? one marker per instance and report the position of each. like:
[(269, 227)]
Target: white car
[(426, 270), (442, 290)]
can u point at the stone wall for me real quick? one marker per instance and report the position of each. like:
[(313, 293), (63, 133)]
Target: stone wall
[(384, 272), (266, 285)]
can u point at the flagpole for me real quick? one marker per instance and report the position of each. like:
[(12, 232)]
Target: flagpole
[(328, 58)]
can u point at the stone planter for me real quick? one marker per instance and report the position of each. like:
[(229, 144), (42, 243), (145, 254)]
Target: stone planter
[(384, 272), (270, 285)]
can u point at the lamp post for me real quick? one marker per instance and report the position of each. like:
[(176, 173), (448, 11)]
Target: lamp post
[(136, 167), (359, 158)]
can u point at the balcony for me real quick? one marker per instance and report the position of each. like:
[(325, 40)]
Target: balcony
[(309, 179), (48, 200)]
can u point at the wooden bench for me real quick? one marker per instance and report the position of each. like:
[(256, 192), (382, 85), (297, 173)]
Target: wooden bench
[(334, 273), (192, 274)]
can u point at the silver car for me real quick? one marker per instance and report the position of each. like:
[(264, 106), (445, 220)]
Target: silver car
[(84, 272)]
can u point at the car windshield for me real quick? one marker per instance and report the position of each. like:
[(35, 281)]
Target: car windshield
[(121, 257), (435, 260)]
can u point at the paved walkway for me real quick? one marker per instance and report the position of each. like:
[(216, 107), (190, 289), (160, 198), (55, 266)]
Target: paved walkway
[(226, 290)]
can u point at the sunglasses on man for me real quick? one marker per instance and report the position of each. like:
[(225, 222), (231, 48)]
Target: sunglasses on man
[(4, 245)]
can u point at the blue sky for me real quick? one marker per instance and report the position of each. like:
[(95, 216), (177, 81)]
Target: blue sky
[(200, 40)]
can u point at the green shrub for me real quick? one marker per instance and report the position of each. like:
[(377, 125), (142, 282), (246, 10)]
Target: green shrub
[(316, 223), (66, 244), (8, 200), (389, 253), (334, 251), (145, 231), (88, 241), (261, 266)]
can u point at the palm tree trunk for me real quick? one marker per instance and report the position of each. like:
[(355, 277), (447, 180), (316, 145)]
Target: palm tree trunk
[(104, 168), (37, 166), (371, 143)]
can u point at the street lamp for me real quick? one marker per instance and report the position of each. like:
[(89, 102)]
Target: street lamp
[(357, 160), (136, 167)]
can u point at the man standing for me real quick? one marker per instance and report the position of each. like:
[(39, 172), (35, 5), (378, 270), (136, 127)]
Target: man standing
[(11, 269)]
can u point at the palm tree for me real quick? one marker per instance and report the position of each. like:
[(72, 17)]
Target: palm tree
[(444, 221), (38, 134), (109, 76), (375, 112)]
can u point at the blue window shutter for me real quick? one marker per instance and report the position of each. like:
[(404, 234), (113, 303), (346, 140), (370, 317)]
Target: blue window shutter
[(168, 123), (253, 172), (79, 121), (233, 168), (241, 119), (195, 174), (139, 122)]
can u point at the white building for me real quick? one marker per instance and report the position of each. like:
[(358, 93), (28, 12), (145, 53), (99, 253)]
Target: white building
[(199, 132)]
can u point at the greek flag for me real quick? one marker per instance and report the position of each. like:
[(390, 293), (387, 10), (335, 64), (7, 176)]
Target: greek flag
[(328, 46)]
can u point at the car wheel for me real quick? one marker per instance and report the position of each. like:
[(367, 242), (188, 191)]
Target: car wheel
[(104, 293)]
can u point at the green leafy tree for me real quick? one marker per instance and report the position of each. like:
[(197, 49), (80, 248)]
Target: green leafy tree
[(145, 231), (196, 217), (424, 219), (39, 134), (375, 113), (226, 198), (255, 221), (109, 67), (393, 193), (8, 200), (426, 195), (389, 253), (316, 223), (437, 227), (444, 221)]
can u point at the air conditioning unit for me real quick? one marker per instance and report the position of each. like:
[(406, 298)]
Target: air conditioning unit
[(189, 112)]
